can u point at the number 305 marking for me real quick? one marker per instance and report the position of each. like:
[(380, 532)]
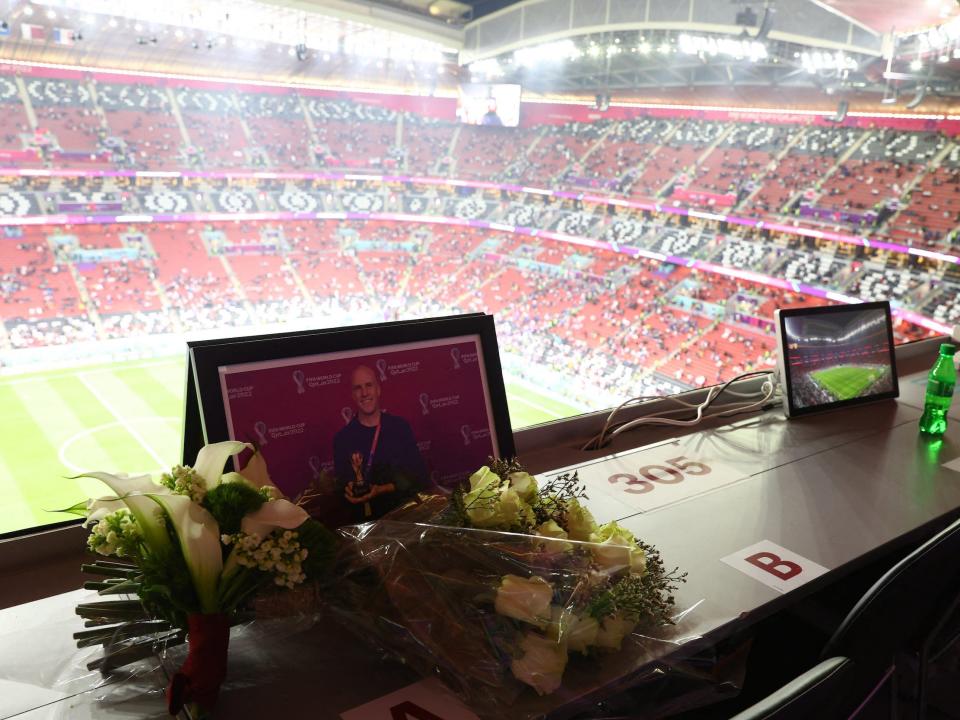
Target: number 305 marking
[(670, 473)]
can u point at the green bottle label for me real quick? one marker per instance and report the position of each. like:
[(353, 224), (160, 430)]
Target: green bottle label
[(939, 387)]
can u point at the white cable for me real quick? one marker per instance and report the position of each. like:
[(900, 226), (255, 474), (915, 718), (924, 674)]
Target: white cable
[(711, 395), (771, 391), (670, 398), (743, 395), (732, 408), (769, 388)]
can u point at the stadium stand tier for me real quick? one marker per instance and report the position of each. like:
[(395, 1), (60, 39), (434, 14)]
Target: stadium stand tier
[(669, 326)]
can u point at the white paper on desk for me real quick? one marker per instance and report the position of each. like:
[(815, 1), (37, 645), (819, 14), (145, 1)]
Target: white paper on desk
[(425, 699), (18, 697), (774, 566), (650, 477), (953, 465)]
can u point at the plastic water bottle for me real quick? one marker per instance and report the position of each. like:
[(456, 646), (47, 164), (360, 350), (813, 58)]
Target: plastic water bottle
[(940, 383)]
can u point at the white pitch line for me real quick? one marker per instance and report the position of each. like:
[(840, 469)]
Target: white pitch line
[(537, 406), (127, 426), (68, 443), (15, 380), (544, 392)]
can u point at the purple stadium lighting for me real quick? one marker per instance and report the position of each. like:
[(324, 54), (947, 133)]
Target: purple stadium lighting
[(478, 184)]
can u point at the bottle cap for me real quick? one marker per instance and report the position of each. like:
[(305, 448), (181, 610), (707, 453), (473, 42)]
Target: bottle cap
[(948, 349)]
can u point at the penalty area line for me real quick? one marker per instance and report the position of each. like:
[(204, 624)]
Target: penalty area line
[(134, 433), (536, 406)]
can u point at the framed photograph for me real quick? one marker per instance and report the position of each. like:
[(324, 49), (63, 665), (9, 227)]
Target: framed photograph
[(361, 417), (835, 356), (194, 434)]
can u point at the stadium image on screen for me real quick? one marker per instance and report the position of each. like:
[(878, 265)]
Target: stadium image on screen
[(490, 105), (837, 357)]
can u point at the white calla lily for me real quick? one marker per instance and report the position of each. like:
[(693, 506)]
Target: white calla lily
[(99, 508), (256, 472), (274, 514), (199, 537), (212, 458), (132, 491), (124, 484)]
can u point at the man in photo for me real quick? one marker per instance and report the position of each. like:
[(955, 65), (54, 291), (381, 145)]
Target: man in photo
[(376, 459), (490, 117)]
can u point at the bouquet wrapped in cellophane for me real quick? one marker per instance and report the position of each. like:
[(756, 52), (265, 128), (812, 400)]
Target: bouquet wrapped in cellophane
[(510, 593), (188, 557)]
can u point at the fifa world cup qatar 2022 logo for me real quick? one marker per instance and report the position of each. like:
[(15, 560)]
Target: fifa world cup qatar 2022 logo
[(382, 369), (455, 356), (425, 403), (260, 428), (300, 381), (466, 432), (347, 414)]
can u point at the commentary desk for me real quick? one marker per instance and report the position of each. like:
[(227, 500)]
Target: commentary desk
[(825, 494)]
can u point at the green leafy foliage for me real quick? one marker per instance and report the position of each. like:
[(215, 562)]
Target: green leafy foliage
[(504, 466), (321, 545), (552, 500), (555, 498), (229, 502), (166, 587), (79, 509), (646, 598)]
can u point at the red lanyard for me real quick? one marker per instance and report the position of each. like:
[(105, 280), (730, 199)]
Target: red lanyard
[(373, 445)]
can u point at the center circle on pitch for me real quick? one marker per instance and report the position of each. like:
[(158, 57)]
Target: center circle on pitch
[(80, 452)]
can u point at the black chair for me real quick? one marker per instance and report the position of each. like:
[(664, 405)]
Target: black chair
[(911, 612), (903, 614), (812, 695), (906, 614)]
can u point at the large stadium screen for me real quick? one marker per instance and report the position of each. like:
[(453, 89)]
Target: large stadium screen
[(494, 105), (836, 356)]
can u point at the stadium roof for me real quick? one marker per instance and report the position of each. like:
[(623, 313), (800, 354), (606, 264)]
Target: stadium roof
[(886, 15), (879, 15), (618, 49), (624, 50)]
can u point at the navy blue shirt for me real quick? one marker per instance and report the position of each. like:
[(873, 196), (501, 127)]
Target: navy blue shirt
[(396, 460)]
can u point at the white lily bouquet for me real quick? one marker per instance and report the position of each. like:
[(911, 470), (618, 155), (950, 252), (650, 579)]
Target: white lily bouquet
[(509, 591), (190, 553)]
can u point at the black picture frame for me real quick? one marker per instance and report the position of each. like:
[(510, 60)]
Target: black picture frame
[(194, 436), (783, 351), (205, 419)]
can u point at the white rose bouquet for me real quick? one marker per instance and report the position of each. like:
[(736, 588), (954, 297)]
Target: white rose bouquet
[(505, 590)]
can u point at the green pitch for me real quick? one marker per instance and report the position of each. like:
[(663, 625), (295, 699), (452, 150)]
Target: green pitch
[(121, 417), (847, 381), (529, 407)]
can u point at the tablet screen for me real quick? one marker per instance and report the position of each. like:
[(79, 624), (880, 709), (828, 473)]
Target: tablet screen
[(838, 355)]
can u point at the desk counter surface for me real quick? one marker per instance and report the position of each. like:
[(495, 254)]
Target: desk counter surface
[(825, 493)]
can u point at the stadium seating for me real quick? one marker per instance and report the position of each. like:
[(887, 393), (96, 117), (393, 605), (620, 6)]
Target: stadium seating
[(561, 148), (637, 324), (426, 147), (933, 209)]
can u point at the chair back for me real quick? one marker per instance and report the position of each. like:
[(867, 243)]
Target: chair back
[(815, 694), (904, 606)]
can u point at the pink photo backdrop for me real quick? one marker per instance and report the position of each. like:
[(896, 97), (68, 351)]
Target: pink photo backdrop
[(293, 408)]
